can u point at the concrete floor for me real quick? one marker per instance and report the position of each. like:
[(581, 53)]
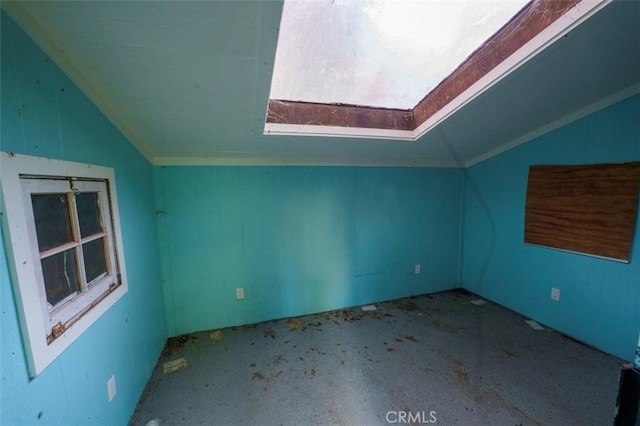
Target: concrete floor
[(429, 359)]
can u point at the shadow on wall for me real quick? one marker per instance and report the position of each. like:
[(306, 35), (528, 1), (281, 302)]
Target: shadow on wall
[(311, 249)]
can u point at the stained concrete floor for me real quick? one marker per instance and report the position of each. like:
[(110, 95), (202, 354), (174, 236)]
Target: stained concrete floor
[(437, 359)]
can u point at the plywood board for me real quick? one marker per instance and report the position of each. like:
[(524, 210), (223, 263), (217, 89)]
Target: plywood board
[(588, 209)]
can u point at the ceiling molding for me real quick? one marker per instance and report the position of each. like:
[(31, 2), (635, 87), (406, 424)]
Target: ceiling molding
[(574, 116), (337, 131), (298, 162)]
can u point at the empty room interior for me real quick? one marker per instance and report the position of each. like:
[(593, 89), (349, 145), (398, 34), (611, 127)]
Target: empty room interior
[(319, 212)]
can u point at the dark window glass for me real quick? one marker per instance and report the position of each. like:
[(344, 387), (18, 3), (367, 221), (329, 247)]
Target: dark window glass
[(88, 213), (95, 263), (60, 276), (53, 225)]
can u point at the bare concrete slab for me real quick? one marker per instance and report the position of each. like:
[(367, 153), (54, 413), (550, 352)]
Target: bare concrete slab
[(437, 359)]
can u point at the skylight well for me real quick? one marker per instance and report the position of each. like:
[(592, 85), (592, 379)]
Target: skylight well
[(378, 53), (382, 68)]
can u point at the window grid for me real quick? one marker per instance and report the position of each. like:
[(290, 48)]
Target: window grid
[(90, 290)]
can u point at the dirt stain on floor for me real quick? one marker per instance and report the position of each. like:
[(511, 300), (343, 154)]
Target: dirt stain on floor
[(215, 335), (278, 359), (509, 353), (406, 305), (177, 343), (294, 323), (463, 299), (460, 371), (446, 327), (348, 315)]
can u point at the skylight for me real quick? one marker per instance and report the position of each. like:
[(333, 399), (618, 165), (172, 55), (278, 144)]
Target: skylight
[(379, 69), (378, 53)]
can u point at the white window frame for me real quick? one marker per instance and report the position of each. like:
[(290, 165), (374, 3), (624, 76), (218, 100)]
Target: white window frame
[(48, 332)]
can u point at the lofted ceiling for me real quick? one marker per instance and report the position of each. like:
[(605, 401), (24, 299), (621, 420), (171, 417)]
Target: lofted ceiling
[(188, 83)]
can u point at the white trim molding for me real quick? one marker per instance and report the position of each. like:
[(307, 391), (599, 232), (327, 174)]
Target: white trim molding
[(43, 344)]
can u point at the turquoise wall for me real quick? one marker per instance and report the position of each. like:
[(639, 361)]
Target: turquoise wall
[(301, 239), (44, 114), (600, 299), (297, 239)]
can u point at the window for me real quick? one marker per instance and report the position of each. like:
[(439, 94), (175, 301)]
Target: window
[(68, 269)]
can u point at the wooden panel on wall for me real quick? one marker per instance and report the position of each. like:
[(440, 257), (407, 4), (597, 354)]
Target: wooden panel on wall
[(588, 209)]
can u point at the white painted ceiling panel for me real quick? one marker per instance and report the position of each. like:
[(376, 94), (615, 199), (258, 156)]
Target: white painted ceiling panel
[(211, 27), (188, 83)]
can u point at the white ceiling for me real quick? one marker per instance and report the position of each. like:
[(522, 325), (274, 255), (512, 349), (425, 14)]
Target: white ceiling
[(188, 83)]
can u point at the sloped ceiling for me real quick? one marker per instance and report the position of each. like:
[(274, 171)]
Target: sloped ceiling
[(188, 83)]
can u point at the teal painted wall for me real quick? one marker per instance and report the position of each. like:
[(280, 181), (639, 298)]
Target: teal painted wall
[(600, 299), (44, 114), (301, 239), (298, 239)]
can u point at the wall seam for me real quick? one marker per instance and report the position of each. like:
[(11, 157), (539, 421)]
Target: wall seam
[(461, 228)]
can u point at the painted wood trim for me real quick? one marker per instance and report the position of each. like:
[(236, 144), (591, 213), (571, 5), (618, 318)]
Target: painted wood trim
[(340, 115)]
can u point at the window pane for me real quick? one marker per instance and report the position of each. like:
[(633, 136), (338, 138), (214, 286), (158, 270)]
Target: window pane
[(60, 276), (88, 213), (53, 225), (382, 53), (95, 263)]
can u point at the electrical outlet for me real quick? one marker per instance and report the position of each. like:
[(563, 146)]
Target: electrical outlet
[(555, 294), (111, 387), (239, 293), (416, 269)]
